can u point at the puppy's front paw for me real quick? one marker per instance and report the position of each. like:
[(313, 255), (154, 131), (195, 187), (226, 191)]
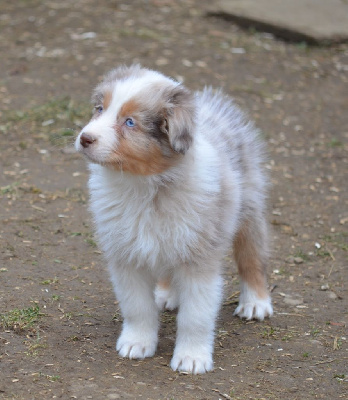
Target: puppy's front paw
[(136, 345), (166, 298), (194, 362)]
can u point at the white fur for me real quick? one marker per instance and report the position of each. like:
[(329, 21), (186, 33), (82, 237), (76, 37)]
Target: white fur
[(166, 298), (172, 224), (251, 306)]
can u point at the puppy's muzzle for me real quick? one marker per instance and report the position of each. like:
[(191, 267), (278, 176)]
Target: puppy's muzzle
[(86, 140)]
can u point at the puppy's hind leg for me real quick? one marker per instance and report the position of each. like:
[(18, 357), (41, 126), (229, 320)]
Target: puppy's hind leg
[(251, 254), (166, 295)]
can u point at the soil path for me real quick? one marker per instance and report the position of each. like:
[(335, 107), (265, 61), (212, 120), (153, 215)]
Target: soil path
[(59, 318)]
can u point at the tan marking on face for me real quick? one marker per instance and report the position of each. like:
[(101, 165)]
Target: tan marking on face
[(250, 266), (129, 108), (137, 151), (107, 100), (141, 157)]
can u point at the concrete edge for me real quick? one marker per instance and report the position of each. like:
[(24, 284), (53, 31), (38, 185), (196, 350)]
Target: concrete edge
[(280, 32)]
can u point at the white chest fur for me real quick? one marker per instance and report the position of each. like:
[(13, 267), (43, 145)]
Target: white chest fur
[(143, 222)]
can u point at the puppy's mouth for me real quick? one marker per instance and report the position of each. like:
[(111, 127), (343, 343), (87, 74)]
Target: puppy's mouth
[(86, 145)]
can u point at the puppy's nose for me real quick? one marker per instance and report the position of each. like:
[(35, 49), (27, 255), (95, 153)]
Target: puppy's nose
[(86, 139)]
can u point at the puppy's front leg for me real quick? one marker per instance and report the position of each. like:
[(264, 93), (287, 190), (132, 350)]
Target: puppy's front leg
[(199, 301), (134, 291)]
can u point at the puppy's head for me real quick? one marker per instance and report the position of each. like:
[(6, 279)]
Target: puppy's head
[(143, 122)]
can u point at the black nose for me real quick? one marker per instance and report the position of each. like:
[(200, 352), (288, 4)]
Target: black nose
[(86, 140)]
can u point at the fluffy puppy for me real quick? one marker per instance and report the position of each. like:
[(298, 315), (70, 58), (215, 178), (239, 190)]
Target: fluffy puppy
[(175, 180)]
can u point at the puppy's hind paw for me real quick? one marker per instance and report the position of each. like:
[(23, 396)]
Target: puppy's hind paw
[(191, 363), (166, 298), (256, 309)]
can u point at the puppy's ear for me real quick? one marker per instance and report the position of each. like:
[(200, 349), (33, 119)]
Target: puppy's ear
[(179, 119)]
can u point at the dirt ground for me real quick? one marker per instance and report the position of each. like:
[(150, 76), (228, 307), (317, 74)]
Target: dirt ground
[(59, 318)]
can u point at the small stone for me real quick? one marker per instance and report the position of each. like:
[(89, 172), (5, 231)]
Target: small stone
[(298, 260), (48, 122), (238, 50), (325, 287), (162, 61), (332, 295), (83, 36), (201, 64), (293, 300), (316, 342), (187, 63), (286, 228)]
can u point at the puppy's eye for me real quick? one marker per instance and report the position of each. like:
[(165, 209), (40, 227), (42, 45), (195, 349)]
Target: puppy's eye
[(98, 109), (129, 122)]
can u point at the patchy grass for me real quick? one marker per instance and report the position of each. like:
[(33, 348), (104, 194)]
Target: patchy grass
[(49, 281), (76, 195), (35, 346), (339, 240), (301, 254), (90, 241), (270, 332), (315, 331), (9, 189), (324, 253), (287, 337), (340, 377), (168, 317), (55, 121), (21, 319), (59, 109), (334, 142), (51, 378)]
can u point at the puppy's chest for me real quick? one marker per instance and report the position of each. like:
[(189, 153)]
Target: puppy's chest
[(142, 229)]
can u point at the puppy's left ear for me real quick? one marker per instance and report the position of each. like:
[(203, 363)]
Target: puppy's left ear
[(179, 120)]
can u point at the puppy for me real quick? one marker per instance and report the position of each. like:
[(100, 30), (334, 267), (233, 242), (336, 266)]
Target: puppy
[(175, 180)]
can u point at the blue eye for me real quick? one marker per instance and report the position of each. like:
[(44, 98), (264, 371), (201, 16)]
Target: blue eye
[(130, 122), (99, 109)]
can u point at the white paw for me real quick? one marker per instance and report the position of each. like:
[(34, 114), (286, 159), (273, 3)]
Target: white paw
[(251, 306), (194, 362), (136, 345), (166, 298), (259, 309)]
